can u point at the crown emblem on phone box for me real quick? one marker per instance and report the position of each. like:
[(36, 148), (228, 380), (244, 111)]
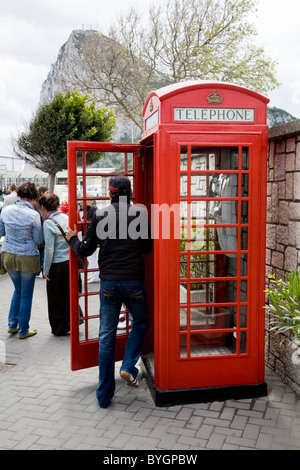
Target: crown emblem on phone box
[(215, 98)]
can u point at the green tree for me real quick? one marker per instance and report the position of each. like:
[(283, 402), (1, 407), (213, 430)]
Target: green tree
[(179, 40), (69, 116)]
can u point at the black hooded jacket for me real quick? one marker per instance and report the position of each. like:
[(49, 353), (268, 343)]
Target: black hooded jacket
[(122, 232)]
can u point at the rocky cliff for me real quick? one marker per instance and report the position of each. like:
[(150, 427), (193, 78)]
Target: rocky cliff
[(126, 131), (57, 82), (277, 116)]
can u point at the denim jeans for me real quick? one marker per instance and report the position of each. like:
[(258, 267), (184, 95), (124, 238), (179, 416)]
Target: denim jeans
[(112, 295), (20, 307)]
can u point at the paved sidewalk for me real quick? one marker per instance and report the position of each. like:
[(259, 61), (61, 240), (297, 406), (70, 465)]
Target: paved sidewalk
[(45, 406)]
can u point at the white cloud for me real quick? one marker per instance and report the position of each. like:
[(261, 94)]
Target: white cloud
[(278, 31), (32, 32)]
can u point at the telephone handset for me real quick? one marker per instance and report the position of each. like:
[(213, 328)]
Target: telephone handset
[(225, 212)]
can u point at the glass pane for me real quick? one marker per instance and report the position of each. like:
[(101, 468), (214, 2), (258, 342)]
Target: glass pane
[(89, 329), (184, 246), (243, 342), (183, 158), (183, 346), (102, 203), (213, 292), (244, 214), (216, 265), (183, 318), (125, 321), (91, 288), (230, 156), (79, 161), (243, 291), (211, 212), (200, 158), (90, 308), (212, 318), (216, 239), (183, 266), (245, 185), (183, 186), (243, 316), (112, 162), (199, 212), (130, 163), (199, 186), (225, 158), (244, 265), (96, 187), (213, 344), (244, 238), (224, 212), (223, 185), (199, 293), (183, 212), (245, 158), (183, 293), (229, 265)]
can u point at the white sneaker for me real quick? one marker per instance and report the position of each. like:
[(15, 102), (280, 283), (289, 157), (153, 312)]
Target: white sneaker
[(131, 381), (122, 323)]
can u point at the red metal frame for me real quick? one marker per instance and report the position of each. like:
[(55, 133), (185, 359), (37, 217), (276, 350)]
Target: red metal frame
[(84, 344), (172, 372)]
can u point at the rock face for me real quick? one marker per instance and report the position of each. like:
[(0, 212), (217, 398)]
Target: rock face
[(277, 116), (57, 82), (126, 131)]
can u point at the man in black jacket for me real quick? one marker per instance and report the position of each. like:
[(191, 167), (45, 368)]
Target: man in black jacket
[(121, 230)]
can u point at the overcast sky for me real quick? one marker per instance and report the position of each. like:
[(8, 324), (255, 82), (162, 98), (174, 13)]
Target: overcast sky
[(32, 32)]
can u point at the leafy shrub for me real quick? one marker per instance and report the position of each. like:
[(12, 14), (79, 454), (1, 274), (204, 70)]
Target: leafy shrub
[(284, 305)]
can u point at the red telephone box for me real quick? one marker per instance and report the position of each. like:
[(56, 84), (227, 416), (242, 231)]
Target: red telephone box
[(201, 170)]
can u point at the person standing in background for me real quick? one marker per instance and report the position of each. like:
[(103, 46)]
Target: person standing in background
[(11, 197), (20, 224), (56, 264), (42, 191)]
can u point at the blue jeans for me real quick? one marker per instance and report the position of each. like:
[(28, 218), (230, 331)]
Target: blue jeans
[(20, 307), (112, 295)]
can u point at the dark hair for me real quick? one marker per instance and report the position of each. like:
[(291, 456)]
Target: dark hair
[(50, 202), (42, 189), (119, 186), (13, 187), (27, 191)]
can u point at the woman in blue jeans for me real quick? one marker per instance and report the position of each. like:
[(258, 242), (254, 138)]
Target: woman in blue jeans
[(121, 230), (20, 224)]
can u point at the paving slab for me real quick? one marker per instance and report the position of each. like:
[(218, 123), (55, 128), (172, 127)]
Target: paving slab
[(46, 406)]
